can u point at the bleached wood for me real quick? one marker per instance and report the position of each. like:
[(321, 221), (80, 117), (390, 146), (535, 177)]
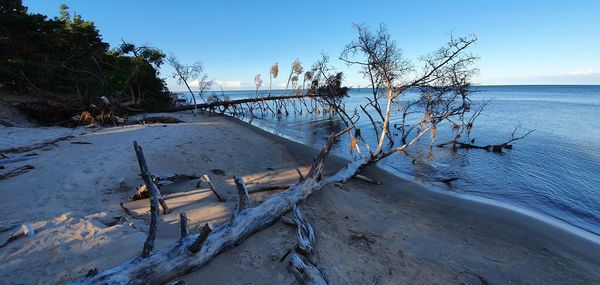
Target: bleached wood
[(148, 178), (154, 194), (176, 260), (305, 271), (305, 232), (243, 198)]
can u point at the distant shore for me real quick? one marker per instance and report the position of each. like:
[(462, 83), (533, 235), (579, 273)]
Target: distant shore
[(396, 232)]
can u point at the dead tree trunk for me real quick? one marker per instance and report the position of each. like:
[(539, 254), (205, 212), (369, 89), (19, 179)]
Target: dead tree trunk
[(236, 102), (145, 173), (176, 260), (154, 196)]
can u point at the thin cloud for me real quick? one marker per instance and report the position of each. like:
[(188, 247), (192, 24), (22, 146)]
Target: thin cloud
[(583, 76), (587, 76), (232, 84), (194, 83), (585, 72)]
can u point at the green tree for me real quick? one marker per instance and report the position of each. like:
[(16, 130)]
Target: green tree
[(64, 59)]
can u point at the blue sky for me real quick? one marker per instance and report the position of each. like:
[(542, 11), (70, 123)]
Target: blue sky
[(520, 42)]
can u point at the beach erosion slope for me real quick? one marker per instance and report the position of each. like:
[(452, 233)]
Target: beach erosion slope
[(397, 232)]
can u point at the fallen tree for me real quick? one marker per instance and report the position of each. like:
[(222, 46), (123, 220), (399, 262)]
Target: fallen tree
[(443, 85), (178, 259), (494, 148), (227, 103), (195, 250)]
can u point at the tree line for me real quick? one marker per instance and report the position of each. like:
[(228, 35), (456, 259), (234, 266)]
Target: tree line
[(64, 60)]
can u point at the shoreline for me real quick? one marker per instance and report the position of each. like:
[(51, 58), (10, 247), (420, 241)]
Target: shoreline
[(510, 209), (396, 232)]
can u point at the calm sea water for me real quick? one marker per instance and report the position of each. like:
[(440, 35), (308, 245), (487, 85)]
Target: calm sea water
[(555, 171)]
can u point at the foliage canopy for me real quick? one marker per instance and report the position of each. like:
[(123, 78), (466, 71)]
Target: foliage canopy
[(66, 60)]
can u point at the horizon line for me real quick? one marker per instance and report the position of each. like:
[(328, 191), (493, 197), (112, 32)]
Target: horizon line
[(352, 87)]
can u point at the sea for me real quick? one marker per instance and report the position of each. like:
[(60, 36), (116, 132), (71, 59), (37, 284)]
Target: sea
[(554, 172)]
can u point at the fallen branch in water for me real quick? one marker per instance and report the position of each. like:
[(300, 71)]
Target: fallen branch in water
[(495, 148), (236, 102)]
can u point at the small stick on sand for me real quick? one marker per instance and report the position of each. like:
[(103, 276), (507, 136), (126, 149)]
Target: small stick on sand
[(206, 179)]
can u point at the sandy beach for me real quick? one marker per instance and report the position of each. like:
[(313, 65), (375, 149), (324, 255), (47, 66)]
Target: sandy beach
[(397, 232)]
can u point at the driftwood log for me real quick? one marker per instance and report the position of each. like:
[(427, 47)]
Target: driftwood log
[(305, 232), (306, 272), (304, 269), (236, 102), (154, 200), (176, 260)]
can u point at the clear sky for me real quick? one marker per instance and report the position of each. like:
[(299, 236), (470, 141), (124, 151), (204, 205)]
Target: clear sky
[(520, 42)]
